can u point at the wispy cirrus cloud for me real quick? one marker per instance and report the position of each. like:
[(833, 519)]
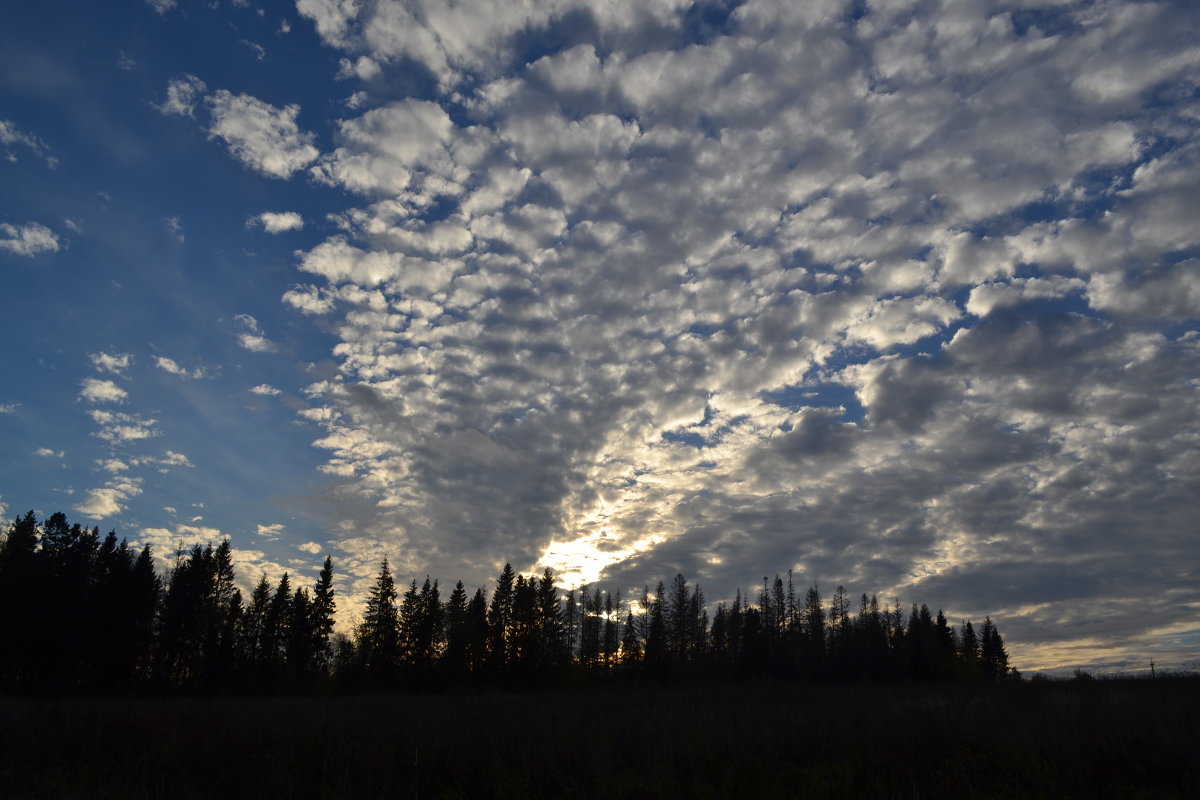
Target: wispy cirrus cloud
[(14, 139)]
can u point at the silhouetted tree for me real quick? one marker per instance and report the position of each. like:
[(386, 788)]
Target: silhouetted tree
[(324, 606), (377, 640), (993, 656), (499, 620), (550, 632), (455, 665), (968, 651)]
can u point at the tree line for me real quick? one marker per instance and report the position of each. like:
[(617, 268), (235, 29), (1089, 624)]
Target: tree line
[(85, 613)]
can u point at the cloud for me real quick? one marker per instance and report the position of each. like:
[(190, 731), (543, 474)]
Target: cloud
[(174, 228), (249, 564), (171, 366), (182, 95), (260, 53), (161, 7), (117, 427), (312, 548), (115, 363), (903, 301), (261, 136), (272, 531), (109, 500), (173, 459), (277, 222), (29, 239), (252, 338), (97, 390), (47, 452), (9, 408), (11, 135), (265, 389)]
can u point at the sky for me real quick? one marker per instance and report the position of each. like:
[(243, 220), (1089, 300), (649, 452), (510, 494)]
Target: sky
[(897, 295)]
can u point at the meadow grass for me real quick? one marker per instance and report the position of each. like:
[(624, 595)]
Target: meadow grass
[(1119, 739)]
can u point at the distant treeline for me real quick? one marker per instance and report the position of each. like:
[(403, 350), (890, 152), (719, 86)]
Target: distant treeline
[(85, 613)]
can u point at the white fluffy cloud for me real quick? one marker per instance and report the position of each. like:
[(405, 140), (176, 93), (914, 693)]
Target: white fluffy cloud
[(173, 367), (251, 337), (29, 239), (115, 363), (108, 501), (182, 95), (265, 389), (277, 222), (116, 427), (98, 390), (260, 135)]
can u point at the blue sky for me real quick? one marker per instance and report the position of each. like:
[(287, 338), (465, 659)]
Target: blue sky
[(902, 296)]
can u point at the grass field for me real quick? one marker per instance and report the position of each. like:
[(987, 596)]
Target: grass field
[(1118, 739)]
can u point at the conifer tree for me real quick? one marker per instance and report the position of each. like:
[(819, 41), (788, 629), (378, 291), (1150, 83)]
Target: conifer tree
[(993, 656), (477, 631), (677, 613), (631, 646), (968, 650), (324, 606), (377, 640), (550, 623), (454, 658)]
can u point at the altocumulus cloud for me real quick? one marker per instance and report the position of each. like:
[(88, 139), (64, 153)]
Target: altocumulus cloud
[(902, 299)]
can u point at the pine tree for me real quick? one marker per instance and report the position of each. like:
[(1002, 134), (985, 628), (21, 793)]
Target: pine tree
[(814, 632), (323, 609), (550, 623), (477, 631), (276, 627), (610, 639), (454, 658), (993, 656), (631, 646), (968, 650), (377, 640), (678, 610), (499, 619), (20, 606), (658, 652)]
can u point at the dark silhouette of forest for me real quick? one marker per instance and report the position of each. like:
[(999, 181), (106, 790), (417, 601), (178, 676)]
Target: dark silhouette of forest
[(82, 613)]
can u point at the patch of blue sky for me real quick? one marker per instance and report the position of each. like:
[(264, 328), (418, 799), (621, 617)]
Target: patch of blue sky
[(818, 394)]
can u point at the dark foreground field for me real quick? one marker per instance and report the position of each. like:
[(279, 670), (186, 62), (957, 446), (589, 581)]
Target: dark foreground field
[(1053, 740)]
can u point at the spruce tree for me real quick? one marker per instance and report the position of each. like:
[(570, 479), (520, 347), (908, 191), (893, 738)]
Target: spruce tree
[(499, 619), (323, 609), (377, 640)]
